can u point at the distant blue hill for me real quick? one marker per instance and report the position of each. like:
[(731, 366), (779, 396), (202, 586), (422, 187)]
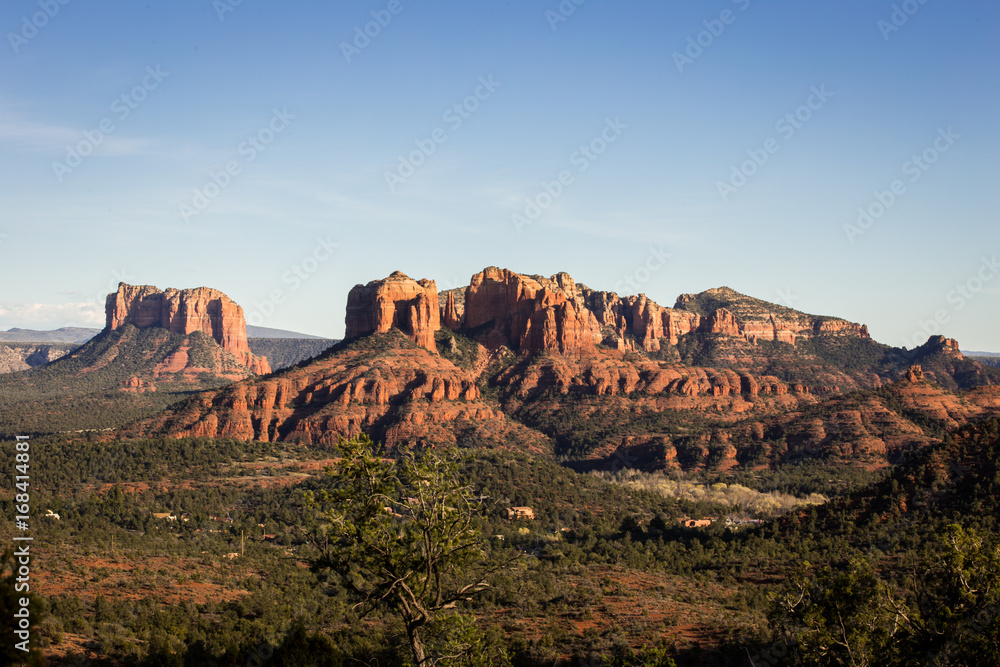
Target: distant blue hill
[(266, 332), (78, 335)]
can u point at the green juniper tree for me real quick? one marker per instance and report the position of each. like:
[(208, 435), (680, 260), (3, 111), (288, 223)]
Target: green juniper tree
[(403, 535), (944, 611)]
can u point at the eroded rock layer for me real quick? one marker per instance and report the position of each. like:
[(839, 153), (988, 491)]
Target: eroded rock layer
[(404, 395)]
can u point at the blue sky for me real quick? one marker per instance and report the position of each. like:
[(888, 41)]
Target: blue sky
[(242, 146)]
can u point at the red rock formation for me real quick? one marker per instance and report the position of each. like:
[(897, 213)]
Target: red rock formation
[(136, 385), (451, 316), (648, 322), (530, 313), (772, 328), (640, 317), (948, 345), (184, 312), (871, 428), (754, 319), (646, 452), (406, 396), (835, 326), (721, 322), (615, 374), (397, 301), (607, 307)]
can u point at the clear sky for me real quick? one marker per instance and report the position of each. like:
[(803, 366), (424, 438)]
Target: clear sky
[(278, 153)]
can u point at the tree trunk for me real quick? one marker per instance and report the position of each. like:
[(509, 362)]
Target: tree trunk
[(412, 631)]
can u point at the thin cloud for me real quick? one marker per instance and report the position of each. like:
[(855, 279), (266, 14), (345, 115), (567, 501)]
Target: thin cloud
[(42, 138), (36, 135)]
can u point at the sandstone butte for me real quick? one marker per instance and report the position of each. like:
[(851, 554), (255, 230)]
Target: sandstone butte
[(184, 312), (397, 301), (529, 314)]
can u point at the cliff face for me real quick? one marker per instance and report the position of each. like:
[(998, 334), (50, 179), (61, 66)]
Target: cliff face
[(185, 312), (530, 313), (718, 328), (675, 387), (557, 314), (453, 310), (397, 301), (753, 319), (639, 317)]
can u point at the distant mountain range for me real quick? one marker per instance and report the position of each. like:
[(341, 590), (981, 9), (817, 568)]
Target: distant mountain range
[(22, 356), (719, 380), (985, 358), (21, 349), (80, 335), (266, 332)]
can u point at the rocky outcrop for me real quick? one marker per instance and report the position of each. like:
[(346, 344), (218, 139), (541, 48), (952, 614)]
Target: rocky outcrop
[(869, 428), (653, 322), (637, 317), (614, 374), (137, 385), (581, 365), (754, 319), (721, 322), (647, 452), (453, 311), (185, 312), (22, 356), (943, 363), (530, 313), (835, 326), (942, 345), (397, 301)]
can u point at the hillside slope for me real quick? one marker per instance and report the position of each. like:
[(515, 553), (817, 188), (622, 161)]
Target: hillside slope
[(116, 377), (383, 385)]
